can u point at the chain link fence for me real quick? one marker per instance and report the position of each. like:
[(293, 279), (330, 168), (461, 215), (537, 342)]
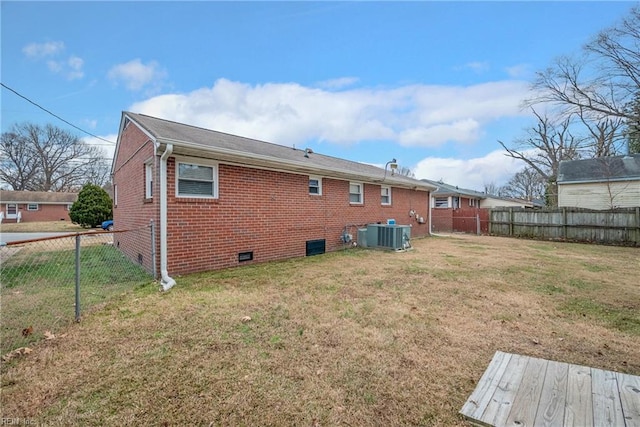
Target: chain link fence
[(45, 284)]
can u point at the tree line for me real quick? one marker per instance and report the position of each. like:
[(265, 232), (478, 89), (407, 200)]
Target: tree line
[(48, 158), (585, 106)]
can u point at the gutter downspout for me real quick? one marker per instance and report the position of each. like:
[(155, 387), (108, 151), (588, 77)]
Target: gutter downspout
[(166, 281), (430, 213)]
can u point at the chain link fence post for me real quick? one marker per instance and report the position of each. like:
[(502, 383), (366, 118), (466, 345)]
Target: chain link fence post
[(78, 237)]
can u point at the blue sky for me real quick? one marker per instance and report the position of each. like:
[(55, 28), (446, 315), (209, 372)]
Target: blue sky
[(433, 84)]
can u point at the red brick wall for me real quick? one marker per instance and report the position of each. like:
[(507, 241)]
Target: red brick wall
[(266, 212), (44, 213), (131, 210), (272, 215)]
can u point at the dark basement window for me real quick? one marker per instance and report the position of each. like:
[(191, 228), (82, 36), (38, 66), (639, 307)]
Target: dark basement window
[(245, 256)]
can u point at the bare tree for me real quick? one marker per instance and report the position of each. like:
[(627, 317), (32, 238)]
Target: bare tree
[(527, 184), (605, 135), (48, 158), (545, 146), (492, 188), (603, 81), (405, 171), (17, 160)]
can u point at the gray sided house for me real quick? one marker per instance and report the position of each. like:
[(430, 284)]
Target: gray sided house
[(603, 183), (221, 200)]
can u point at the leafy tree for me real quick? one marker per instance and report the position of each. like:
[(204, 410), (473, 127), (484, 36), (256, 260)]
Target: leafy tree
[(632, 132), (92, 207), (36, 158)]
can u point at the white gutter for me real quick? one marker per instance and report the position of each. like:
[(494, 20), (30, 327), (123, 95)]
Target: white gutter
[(166, 281)]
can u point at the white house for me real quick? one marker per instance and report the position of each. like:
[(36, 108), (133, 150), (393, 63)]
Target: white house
[(602, 183)]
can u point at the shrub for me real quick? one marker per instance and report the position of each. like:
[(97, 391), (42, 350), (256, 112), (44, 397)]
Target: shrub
[(92, 207)]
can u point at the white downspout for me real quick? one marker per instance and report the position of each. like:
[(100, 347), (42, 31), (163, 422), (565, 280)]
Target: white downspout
[(166, 281), (430, 213)]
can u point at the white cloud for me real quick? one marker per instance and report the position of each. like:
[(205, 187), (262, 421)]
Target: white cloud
[(74, 67), (71, 67), (477, 66), (135, 75), (472, 174), (518, 71), (465, 130), (42, 50), (289, 113), (338, 83)]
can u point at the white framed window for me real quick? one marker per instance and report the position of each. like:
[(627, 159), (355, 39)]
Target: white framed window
[(148, 180), (32, 207), (356, 193), (385, 195), (473, 202), (196, 179), (315, 185), (441, 202)]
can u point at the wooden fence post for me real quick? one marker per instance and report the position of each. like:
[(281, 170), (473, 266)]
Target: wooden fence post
[(510, 221), (637, 226), (564, 223)]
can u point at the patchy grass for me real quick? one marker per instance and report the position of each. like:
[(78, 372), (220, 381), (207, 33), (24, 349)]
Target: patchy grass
[(38, 286), (353, 337), (42, 226)]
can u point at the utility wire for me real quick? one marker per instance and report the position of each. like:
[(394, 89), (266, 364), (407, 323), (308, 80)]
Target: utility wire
[(54, 115)]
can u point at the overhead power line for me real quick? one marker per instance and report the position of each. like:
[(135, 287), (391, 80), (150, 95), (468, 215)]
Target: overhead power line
[(55, 115)]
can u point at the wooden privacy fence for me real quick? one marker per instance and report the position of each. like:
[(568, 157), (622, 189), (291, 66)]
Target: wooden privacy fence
[(618, 227), (460, 220)]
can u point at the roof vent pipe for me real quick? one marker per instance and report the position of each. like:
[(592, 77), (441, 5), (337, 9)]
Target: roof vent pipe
[(166, 281)]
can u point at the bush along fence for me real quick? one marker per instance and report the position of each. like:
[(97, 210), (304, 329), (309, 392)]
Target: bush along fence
[(614, 227), (45, 284)]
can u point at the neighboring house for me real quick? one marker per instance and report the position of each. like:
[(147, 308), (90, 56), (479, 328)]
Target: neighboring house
[(451, 196), (220, 200), (455, 209), (30, 206), (602, 183)]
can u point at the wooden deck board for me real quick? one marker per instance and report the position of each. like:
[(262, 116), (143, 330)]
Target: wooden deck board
[(607, 410), (550, 411), (578, 409), (521, 391), (505, 392), (629, 387)]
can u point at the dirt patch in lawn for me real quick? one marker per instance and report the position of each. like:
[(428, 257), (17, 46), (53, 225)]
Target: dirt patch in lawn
[(40, 226), (357, 337)]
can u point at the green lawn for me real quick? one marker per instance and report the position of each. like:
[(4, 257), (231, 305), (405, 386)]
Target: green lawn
[(356, 337)]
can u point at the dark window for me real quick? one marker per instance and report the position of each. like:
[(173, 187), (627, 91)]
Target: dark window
[(245, 256), (315, 247)]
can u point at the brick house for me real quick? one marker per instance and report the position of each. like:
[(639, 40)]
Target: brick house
[(455, 209), (30, 206), (220, 200)]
